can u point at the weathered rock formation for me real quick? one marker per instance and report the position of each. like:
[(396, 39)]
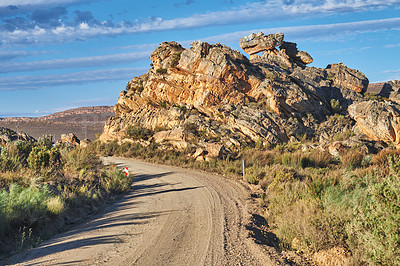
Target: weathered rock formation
[(343, 76), (386, 90), (378, 120), (211, 94), (258, 42), (287, 55), (70, 139), (8, 135)]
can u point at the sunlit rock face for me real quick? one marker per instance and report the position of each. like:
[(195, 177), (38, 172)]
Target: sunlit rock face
[(211, 94)]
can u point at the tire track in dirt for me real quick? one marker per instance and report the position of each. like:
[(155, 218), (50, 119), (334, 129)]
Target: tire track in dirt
[(172, 216)]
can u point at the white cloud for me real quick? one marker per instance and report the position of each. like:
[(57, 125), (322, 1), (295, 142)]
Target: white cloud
[(392, 45), (391, 71), (261, 12), (77, 62), (316, 32), (6, 3), (75, 78)]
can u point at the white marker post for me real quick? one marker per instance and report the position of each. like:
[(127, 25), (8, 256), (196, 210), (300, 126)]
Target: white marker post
[(244, 179), (126, 171)]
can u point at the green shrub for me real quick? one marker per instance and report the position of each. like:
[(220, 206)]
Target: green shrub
[(344, 135), (81, 162), (191, 127), (374, 232), (301, 159), (161, 71), (115, 181), (46, 141), (55, 205), (41, 157), (175, 59), (253, 179), (381, 158), (13, 156), (335, 105), (24, 206), (138, 132)]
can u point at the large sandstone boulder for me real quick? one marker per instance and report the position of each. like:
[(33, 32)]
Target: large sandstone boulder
[(70, 139), (176, 137), (258, 42), (343, 76), (291, 50), (379, 121), (211, 94)]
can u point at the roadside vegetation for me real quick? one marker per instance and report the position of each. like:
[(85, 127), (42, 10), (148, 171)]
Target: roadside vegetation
[(312, 201), (44, 188)]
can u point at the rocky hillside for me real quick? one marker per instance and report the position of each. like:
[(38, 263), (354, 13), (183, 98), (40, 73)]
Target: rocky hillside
[(8, 135), (217, 100), (85, 122)]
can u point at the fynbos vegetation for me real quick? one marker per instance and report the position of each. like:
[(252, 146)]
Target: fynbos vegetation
[(312, 201), (45, 187)]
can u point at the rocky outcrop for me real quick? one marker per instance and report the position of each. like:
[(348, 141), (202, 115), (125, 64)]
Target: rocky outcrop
[(211, 94), (70, 139), (175, 137), (258, 42), (343, 76), (8, 135), (291, 50), (386, 90), (378, 120), (84, 143)]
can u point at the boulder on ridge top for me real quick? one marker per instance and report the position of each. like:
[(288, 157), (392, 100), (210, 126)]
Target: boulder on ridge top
[(291, 50), (258, 42)]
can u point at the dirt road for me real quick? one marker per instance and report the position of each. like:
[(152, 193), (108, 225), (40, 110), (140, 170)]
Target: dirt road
[(172, 216)]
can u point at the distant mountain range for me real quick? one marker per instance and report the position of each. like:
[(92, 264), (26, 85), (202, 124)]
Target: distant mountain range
[(84, 122)]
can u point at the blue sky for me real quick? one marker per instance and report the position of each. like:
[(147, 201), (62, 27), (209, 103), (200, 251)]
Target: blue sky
[(61, 54)]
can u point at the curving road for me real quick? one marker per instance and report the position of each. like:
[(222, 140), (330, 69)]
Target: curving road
[(172, 216)]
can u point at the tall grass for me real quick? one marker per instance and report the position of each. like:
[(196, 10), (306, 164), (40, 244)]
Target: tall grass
[(42, 187), (23, 206), (312, 201), (115, 180)]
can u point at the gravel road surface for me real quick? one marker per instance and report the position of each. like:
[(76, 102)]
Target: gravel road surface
[(172, 216)]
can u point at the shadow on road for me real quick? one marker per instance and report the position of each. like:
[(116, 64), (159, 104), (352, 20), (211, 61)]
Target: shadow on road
[(163, 191), (63, 243), (144, 177), (113, 216)]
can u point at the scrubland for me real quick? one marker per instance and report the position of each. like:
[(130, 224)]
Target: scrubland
[(311, 200), (45, 188)]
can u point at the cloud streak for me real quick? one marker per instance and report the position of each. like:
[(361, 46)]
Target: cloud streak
[(313, 32), (78, 62), (10, 55), (15, 7), (75, 78), (316, 32), (261, 11)]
